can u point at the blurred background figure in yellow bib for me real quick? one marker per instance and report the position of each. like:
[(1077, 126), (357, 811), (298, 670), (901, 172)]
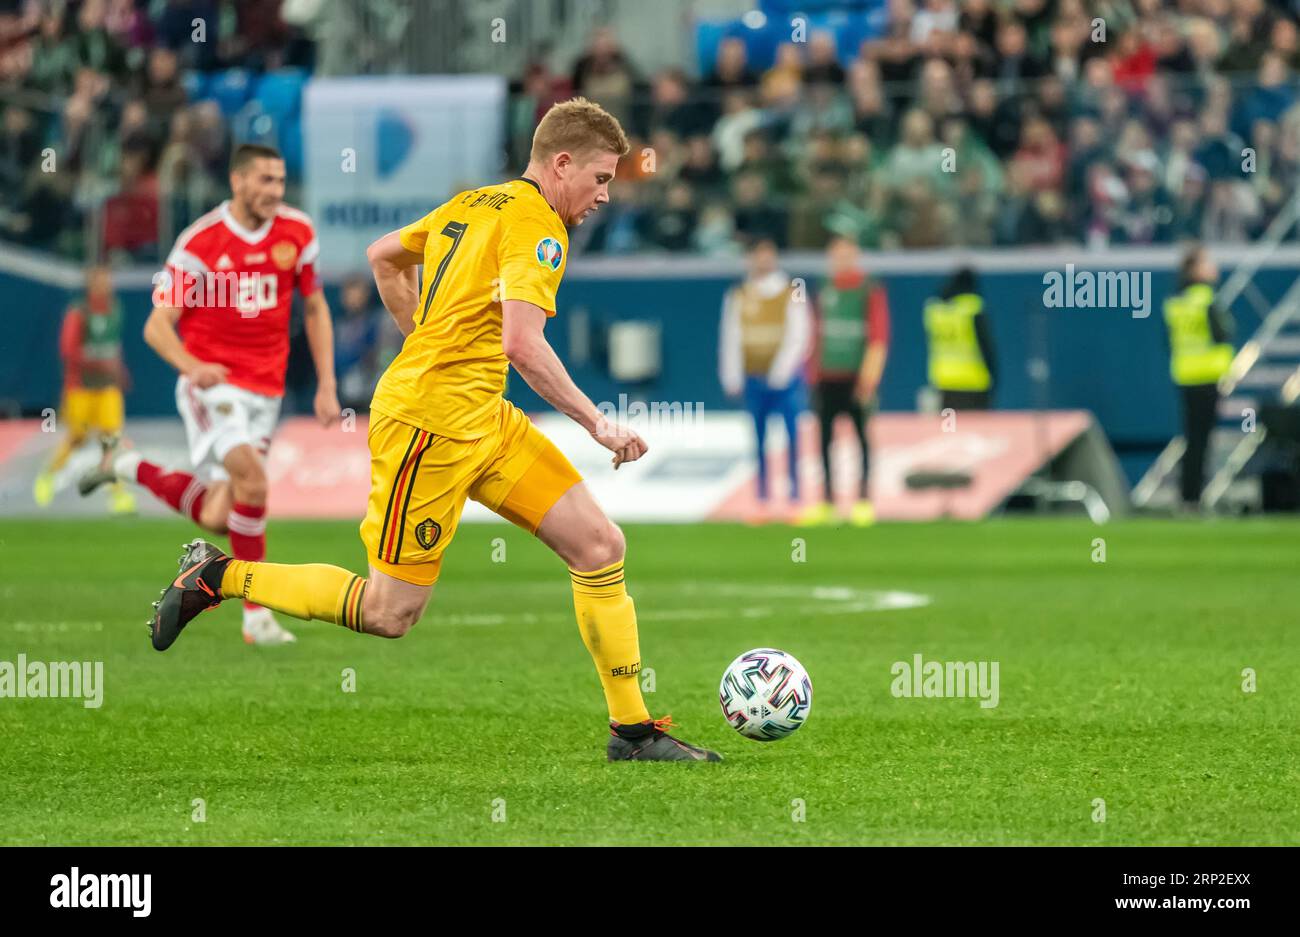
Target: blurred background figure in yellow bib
[(90, 345)]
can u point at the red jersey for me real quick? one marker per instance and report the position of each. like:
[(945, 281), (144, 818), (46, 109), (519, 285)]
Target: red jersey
[(234, 288)]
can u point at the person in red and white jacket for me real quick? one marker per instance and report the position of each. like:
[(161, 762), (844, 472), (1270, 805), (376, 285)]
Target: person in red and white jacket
[(221, 319)]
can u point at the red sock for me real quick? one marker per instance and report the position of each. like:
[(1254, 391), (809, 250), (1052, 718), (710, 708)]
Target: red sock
[(247, 523), (179, 490)]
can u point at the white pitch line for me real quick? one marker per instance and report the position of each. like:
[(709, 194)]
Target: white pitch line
[(57, 626), (820, 600)]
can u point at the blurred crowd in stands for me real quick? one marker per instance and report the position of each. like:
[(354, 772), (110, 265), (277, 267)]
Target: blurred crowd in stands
[(98, 125), (974, 123), (980, 122)]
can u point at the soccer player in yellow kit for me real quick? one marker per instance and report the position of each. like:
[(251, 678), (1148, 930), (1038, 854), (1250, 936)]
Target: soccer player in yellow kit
[(441, 431)]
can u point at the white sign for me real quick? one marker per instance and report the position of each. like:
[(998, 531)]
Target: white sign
[(381, 152)]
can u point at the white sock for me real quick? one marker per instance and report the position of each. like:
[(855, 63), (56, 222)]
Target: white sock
[(126, 464)]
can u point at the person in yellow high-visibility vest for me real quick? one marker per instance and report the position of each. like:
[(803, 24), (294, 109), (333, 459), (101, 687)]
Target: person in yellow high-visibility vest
[(1200, 353), (962, 366)]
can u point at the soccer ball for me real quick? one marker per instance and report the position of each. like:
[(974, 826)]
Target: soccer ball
[(765, 694)]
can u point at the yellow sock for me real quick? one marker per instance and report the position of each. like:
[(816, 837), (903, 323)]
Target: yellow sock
[(607, 620), (312, 590)]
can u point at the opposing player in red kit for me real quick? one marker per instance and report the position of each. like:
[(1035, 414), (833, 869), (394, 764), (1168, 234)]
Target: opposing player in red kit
[(221, 319)]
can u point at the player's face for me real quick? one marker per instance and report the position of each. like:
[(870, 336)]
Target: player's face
[(586, 185), (843, 257), (762, 260), (99, 282), (1206, 269), (259, 187)]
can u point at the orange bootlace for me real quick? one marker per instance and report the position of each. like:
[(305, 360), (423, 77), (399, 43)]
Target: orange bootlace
[(666, 723)]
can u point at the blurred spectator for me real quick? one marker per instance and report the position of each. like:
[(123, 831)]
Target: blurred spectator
[(715, 234), (823, 66), (871, 111), (95, 47), (755, 216), (532, 97), (55, 59), (673, 108), (1273, 93), (19, 147), (917, 155), (934, 22), (825, 108), (178, 24), (162, 92), (605, 75), (995, 121), (810, 213), (700, 168), (259, 37), (672, 227), (761, 158), (131, 216), (128, 24), (1041, 156), (1014, 62), (356, 343), (739, 119), (731, 69)]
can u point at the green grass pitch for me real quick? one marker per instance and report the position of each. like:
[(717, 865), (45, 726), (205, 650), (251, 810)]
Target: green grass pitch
[(1120, 680)]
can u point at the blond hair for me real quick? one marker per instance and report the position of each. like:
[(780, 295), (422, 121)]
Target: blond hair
[(578, 126)]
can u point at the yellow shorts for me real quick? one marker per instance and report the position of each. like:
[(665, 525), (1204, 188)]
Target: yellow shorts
[(419, 482), (86, 409)]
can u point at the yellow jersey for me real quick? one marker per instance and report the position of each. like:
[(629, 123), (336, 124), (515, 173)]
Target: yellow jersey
[(481, 248)]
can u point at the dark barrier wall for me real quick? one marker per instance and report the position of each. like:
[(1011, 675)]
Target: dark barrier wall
[(1100, 360)]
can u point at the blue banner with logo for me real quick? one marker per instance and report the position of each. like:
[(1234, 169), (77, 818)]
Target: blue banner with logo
[(383, 151)]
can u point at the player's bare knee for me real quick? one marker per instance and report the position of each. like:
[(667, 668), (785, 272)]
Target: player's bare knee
[(250, 485), (614, 544), (604, 547)]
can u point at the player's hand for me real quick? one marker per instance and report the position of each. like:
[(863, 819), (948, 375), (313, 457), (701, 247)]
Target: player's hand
[(206, 374), (864, 392), (625, 443), (326, 405)]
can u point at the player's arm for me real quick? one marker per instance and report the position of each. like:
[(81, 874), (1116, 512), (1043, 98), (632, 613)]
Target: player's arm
[(731, 368), (160, 335), (70, 340), (320, 339), (537, 363), (873, 362), (397, 278)]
